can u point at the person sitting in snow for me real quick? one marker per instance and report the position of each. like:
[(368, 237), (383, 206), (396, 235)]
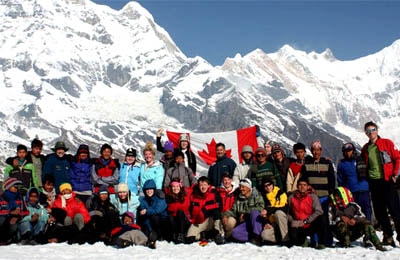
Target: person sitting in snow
[(12, 210), (351, 223), (124, 200), (178, 204), (104, 216), (244, 221), (205, 210), (55, 231), (275, 214), (305, 215), (128, 233), (152, 212), (48, 194), (33, 224), (76, 211)]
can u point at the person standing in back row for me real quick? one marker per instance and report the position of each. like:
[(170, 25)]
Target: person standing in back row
[(183, 146), (383, 164), (222, 165)]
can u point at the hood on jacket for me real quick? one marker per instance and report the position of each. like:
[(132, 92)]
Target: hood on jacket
[(149, 184), (32, 190)]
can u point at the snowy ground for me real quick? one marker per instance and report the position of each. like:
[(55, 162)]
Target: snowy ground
[(211, 251)]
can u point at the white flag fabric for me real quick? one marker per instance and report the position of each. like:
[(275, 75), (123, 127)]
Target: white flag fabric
[(203, 145)]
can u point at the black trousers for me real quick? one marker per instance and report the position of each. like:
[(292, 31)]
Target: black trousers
[(385, 198), (179, 223), (153, 223), (298, 235)]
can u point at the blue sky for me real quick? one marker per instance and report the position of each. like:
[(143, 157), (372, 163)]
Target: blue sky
[(216, 30)]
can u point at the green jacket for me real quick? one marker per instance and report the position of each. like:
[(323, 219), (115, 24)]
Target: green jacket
[(245, 205), (27, 175)]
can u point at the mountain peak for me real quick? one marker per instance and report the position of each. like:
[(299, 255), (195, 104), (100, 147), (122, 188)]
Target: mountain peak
[(328, 54)]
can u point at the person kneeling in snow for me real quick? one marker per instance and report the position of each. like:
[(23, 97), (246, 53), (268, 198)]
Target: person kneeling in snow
[(351, 222), (128, 234)]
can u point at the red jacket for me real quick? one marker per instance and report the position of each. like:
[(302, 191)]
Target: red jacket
[(204, 205), (304, 207), (106, 171), (5, 206), (116, 232), (73, 206), (227, 198), (385, 146), (175, 206)]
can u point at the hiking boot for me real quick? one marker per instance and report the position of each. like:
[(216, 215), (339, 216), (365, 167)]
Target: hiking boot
[(256, 240), (367, 243), (219, 240), (320, 246), (24, 242), (121, 243), (190, 240), (380, 248), (180, 239), (388, 241), (203, 236), (305, 244), (151, 242)]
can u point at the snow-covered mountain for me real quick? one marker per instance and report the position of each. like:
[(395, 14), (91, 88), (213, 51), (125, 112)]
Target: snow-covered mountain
[(81, 72)]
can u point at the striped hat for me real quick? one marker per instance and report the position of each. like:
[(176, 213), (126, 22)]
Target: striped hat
[(9, 182), (345, 197)]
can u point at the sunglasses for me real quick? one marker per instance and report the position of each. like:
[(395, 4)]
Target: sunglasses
[(260, 155), (370, 130)]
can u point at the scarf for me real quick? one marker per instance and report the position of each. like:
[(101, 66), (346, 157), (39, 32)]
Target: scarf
[(64, 199), (104, 161), (51, 196), (11, 197)]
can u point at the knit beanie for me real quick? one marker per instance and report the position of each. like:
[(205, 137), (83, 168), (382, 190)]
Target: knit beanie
[(65, 186), (9, 182), (122, 187), (169, 146), (246, 182)]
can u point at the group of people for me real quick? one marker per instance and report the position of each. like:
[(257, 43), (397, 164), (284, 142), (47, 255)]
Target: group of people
[(267, 198)]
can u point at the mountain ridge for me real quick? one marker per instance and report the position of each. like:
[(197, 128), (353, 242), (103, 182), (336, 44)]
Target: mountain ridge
[(88, 73)]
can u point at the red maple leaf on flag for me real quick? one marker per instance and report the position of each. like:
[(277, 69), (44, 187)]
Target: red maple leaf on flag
[(210, 156)]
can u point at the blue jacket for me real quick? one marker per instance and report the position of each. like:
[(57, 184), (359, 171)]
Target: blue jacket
[(59, 168), (154, 205), (131, 205), (130, 175), (347, 176), (79, 174), (154, 172), (35, 208), (221, 166)]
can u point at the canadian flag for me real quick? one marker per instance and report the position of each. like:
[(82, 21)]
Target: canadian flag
[(203, 144)]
